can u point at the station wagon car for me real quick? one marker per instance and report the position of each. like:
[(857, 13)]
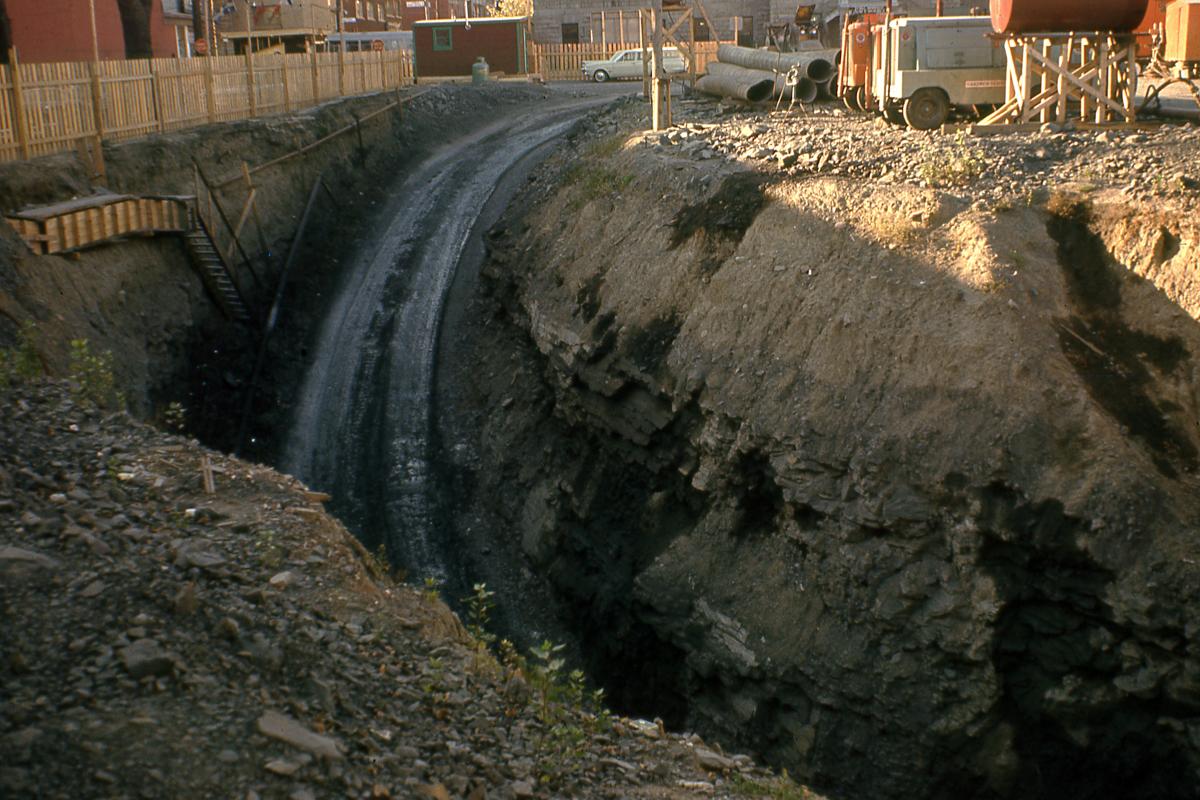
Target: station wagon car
[(628, 64)]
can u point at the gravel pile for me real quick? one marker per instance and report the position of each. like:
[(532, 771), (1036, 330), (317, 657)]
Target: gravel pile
[(161, 640), (1157, 161)]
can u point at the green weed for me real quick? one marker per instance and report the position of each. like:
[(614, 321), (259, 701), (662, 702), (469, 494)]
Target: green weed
[(961, 166), (781, 788), (593, 182), (92, 375), (479, 614), (22, 362), (431, 592)]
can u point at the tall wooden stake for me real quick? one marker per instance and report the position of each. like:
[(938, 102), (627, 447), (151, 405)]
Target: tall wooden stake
[(97, 95), (250, 90), (21, 122)]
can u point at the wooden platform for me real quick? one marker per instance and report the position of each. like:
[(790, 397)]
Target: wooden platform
[(87, 221)]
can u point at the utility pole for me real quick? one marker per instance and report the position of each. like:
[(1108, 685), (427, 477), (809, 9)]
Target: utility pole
[(97, 94), (341, 52)]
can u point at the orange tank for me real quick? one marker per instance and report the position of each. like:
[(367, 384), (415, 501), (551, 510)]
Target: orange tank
[(1045, 16)]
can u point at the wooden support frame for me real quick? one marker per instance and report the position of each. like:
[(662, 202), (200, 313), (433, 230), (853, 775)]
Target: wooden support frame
[(1054, 77)]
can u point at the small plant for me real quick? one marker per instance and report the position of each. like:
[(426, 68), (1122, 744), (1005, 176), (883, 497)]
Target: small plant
[(479, 614), (605, 148), (961, 166), (377, 562), (431, 592), (21, 362), (92, 374), (593, 182), (781, 788)]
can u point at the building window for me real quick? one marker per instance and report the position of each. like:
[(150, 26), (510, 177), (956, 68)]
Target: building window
[(442, 39), (570, 33)]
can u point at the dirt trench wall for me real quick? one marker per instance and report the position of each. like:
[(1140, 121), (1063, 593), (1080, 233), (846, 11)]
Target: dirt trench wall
[(896, 491), (142, 300)]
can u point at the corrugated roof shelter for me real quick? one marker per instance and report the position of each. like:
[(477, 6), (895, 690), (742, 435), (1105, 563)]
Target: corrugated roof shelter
[(447, 47)]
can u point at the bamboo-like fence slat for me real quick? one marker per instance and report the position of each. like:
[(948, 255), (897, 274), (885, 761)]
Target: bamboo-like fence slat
[(49, 108)]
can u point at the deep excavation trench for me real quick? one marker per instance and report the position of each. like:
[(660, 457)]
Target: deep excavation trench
[(910, 512), (847, 510), (908, 522)]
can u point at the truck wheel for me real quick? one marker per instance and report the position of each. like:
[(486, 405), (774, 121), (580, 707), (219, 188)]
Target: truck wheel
[(850, 97), (926, 109)]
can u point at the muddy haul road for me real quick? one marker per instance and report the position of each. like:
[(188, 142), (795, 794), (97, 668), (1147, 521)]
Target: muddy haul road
[(362, 428)]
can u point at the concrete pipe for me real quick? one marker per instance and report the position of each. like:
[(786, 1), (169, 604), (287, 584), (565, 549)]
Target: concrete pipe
[(1046, 16), (825, 90), (726, 86), (806, 90), (816, 66)]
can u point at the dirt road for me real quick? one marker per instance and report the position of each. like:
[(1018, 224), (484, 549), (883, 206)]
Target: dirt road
[(362, 428)]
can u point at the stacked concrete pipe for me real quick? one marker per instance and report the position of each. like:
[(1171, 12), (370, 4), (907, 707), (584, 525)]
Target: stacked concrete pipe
[(753, 85), (815, 65), (806, 90)]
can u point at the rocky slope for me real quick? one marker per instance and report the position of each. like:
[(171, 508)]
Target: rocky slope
[(162, 638), (888, 475)]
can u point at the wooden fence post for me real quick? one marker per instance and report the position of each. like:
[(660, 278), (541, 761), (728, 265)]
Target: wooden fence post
[(316, 76), (287, 91), (98, 112), (19, 119), (210, 88), (156, 97), (250, 91)]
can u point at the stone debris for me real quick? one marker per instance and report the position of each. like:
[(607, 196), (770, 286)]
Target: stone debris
[(211, 632), (285, 729)]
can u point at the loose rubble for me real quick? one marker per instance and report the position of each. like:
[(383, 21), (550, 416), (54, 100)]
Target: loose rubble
[(826, 140), (159, 641)]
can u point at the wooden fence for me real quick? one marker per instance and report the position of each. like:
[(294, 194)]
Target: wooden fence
[(52, 108), (49, 108), (564, 62)]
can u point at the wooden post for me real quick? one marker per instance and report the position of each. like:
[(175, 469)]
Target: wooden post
[(251, 94), (210, 88), (1132, 79), (1045, 85), (341, 53), (1102, 80), (20, 120), (621, 24), (287, 89), (603, 32), (316, 75), (660, 105), (1064, 64), (97, 95), (645, 60), (1085, 55), (155, 92)]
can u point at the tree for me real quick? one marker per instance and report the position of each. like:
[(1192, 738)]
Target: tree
[(511, 8)]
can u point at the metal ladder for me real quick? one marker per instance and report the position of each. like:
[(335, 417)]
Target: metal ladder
[(214, 271)]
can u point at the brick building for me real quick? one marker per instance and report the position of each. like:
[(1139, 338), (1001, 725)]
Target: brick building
[(579, 21), (61, 30)]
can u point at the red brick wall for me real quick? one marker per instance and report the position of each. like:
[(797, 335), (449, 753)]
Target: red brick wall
[(497, 42), (61, 30)]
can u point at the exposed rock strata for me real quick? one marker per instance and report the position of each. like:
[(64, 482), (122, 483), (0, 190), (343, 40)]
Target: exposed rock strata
[(876, 483)]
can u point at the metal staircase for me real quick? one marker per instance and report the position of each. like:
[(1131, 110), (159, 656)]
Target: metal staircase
[(214, 271)]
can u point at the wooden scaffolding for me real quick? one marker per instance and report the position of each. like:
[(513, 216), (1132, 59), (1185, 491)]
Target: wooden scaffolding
[(1053, 77), (671, 24)]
